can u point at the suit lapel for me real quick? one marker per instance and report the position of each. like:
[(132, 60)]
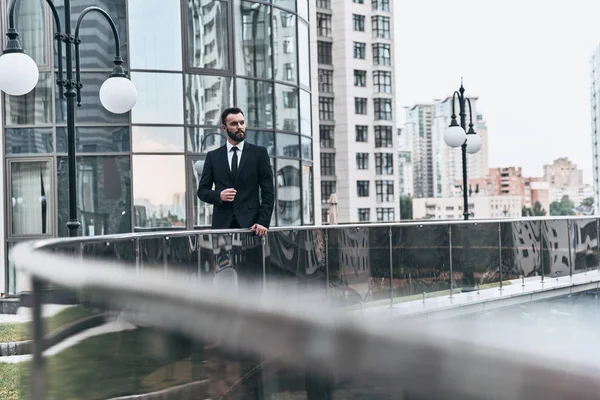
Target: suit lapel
[(245, 155)]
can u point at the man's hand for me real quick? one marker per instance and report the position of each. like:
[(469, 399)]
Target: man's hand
[(259, 229), (228, 194)]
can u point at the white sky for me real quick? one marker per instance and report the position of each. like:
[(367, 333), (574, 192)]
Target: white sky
[(527, 61)]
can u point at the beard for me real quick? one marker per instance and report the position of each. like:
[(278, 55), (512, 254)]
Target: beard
[(237, 136)]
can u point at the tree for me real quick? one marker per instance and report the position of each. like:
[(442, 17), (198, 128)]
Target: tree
[(588, 202), (563, 207), (526, 212), (537, 211), (406, 207)]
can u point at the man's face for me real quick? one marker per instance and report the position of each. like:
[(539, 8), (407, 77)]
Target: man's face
[(235, 126)]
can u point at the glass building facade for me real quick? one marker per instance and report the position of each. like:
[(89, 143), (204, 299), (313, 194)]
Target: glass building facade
[(139, 171)]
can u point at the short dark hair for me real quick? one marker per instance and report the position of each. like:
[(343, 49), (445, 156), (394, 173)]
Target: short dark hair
[(230, 110)]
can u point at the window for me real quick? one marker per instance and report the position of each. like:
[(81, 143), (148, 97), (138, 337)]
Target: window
[(383, 109), (359, 1), (327, 188), (358, 22), (326, 135), (383, 136), (384, 163), (382, 81), (325, 80), (326, 108), (205, 22), (360, 50), (364, 214), (325, 4), (360, 78), (360, 105), (382, 54), (328, 164), (385, 215), (324, 24), (384, 191), (324, 54), (381, 27), (362, 188), (362, 160), (362, 133), (380, 5)]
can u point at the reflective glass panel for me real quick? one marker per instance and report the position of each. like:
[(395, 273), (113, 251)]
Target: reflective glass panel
[(308, 203), (306, 148), (157, 139), (289, 4), (262, 138), (584, 236), (305, 113), (557, 257), (203, 140), (253, 45), (521, 253), (202, 211), (31, 23), (255, 98), (205, 98), (91, 110), (289, 203), (286, 98), (274, 215), (98, 45), (159, 191), (284, 39), (208, 40), (31, 197), (288, 145), (34, 108), (160, 98), (144, 18), (28, 141), (101, 139), (303, 54), (103, 195)]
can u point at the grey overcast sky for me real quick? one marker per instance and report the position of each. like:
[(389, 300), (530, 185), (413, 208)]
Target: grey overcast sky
[(528, 61)]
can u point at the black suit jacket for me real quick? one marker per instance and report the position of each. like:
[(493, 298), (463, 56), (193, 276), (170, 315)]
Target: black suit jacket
[(254, 173)]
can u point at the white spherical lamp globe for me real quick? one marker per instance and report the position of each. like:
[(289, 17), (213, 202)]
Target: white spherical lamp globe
[(455, 136), (473, 143), (118, 94), (18, 74)]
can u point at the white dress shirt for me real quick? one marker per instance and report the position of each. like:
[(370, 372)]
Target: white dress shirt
[(240, 147)]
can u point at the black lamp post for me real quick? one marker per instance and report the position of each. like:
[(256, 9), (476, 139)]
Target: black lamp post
[(469, 141), (19, 76)]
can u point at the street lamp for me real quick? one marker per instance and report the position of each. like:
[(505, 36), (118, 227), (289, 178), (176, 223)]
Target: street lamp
[(469, 141), (19, 75)]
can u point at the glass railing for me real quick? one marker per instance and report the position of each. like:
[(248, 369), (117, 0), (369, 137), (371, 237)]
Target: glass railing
[(227, 314)]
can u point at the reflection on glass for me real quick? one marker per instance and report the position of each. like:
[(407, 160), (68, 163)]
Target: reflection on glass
[(284, 31), (520, 252), (30, 197), (30, 20), (205, 98), (303, 54), (255, 98), (203, 140), (557, 258), (160, 98), (28, 141), (253, 28), (97, 139), (475, 255), (12, 273), (91, 110), (202, 211), (585, 243), (98, 47), (144, 18), (159, 192), (274, 215), (287, 107), (305, 113), (103, 195), (157, 139), (306, 148), (262, 138), (34, 108), (308, 211), (208, 43), (289, 4), (288, 193), (288, 145)]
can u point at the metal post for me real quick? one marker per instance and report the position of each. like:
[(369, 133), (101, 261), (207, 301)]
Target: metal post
[(264, 265), (165, 243), (38, 369), (541, 250), (450, 251), (391, 270), (326, 262), (500, 253), (570, 245), (198, 247), (138, 259), (463, 123)]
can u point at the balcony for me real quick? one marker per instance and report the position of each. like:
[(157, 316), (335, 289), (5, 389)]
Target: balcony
[(311, 312)]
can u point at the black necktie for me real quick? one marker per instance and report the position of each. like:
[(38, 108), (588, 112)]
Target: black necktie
[(234, 161)]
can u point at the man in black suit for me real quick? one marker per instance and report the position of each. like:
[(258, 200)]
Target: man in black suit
[(238, 170)]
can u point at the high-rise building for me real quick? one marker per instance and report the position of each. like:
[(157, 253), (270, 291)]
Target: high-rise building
[(566, 179), (139, 171), (405, 168), (357, 109), (595, 105), (418, 127)]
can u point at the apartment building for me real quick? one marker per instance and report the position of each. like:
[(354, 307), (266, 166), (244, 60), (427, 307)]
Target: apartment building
[(356, 109)]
